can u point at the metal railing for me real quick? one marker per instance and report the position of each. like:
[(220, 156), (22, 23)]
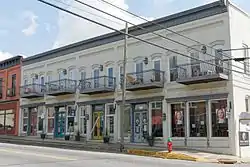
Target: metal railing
[(63, 85), (32, 89), (198, 69), (98, 83), (145, 77)]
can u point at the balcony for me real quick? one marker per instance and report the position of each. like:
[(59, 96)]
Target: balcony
[(32, 91), (103, 84), (149, 79), (200, 72), (11, 92), (61, 87)]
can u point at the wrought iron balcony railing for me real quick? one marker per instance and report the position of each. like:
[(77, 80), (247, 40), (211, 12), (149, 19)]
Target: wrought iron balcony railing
[(61, 87), (32, 91), (201, 72), (102, 84), (148, 79)]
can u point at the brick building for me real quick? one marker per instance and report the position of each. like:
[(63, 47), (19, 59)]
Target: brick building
[(10, 77)]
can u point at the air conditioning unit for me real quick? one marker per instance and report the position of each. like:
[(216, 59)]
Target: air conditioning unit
[(26, 90), (192, 105), (9, 92)]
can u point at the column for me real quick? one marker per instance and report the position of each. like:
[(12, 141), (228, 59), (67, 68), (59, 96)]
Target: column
[(150, 118), (89, 122), (186, 120), (167, 123), (209, 122)]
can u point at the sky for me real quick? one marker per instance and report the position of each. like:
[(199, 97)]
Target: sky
[(29, 27)]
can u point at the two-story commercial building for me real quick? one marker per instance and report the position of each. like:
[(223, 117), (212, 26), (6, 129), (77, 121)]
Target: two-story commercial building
[(195, 97), (10, 78)]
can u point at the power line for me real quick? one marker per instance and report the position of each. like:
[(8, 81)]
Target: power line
[(132, 36), (157, 34), (161, 26)]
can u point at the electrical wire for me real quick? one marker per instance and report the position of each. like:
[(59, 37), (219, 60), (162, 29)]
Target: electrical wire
[(157, 34), (163, 27), (132, 36)]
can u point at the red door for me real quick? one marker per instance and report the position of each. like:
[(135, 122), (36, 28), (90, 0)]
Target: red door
[(33, 122)]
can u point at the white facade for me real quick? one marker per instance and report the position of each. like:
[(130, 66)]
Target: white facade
[(219, 31)]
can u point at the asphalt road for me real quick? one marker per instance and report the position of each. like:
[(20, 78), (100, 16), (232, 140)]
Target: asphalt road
[(30, 156)]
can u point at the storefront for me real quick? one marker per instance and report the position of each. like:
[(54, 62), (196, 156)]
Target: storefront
[(97, 119), (143, 119), (200, 122), (32, 122), (60, 119)]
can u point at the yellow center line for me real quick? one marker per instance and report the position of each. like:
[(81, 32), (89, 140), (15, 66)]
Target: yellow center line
[(38, 155)]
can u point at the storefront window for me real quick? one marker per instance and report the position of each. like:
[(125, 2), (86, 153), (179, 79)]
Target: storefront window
[(9, 120), (127, 121), (110, 119), (178, 124), (219, 120), (6, 120), (83, 120), (197, 116), (40, 119), (51, 115), (157, 119), (25, 119), (71, 119)]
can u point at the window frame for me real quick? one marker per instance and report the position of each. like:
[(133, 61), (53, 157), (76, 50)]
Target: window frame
[(211, 120), (206, 121), (184, 120), (171, 59), (151, 108)]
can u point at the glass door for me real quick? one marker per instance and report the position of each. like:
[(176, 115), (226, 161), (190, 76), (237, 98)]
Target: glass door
[(140, 126), (33, 122), (98, 123), (60, 124)]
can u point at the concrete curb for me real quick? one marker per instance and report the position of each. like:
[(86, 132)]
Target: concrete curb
[(178, 156)]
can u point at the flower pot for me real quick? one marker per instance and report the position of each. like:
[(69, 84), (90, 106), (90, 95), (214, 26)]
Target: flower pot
[(77, 138), (43, 135), (66, 137), (106, 139), (151, 141)]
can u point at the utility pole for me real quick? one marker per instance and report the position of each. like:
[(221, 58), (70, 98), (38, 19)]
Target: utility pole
[(123, 89)]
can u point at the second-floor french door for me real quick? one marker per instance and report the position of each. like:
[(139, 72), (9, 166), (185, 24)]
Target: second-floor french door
[(96, 78)]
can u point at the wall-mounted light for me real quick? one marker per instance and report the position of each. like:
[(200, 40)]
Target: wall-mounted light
[(145, 60), (164, 116), (204, 49), (64, 72), (101, 67)]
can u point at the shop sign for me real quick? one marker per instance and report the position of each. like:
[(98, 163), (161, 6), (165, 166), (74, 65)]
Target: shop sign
[(244, 139)]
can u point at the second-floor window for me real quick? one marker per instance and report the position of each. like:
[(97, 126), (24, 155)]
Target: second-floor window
[(72, 74), (1, 87), (195, 64), (13, 84), (110, 76), (157, 68), (82, 75), (139, 71), (173, 68), (96, 78), (42, 81)]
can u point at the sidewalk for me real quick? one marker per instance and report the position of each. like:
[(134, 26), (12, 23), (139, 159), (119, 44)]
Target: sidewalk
[(141, 150)]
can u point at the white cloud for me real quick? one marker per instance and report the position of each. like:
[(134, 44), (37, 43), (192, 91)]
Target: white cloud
[(73, 29), (5, 55), (32, 27)]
